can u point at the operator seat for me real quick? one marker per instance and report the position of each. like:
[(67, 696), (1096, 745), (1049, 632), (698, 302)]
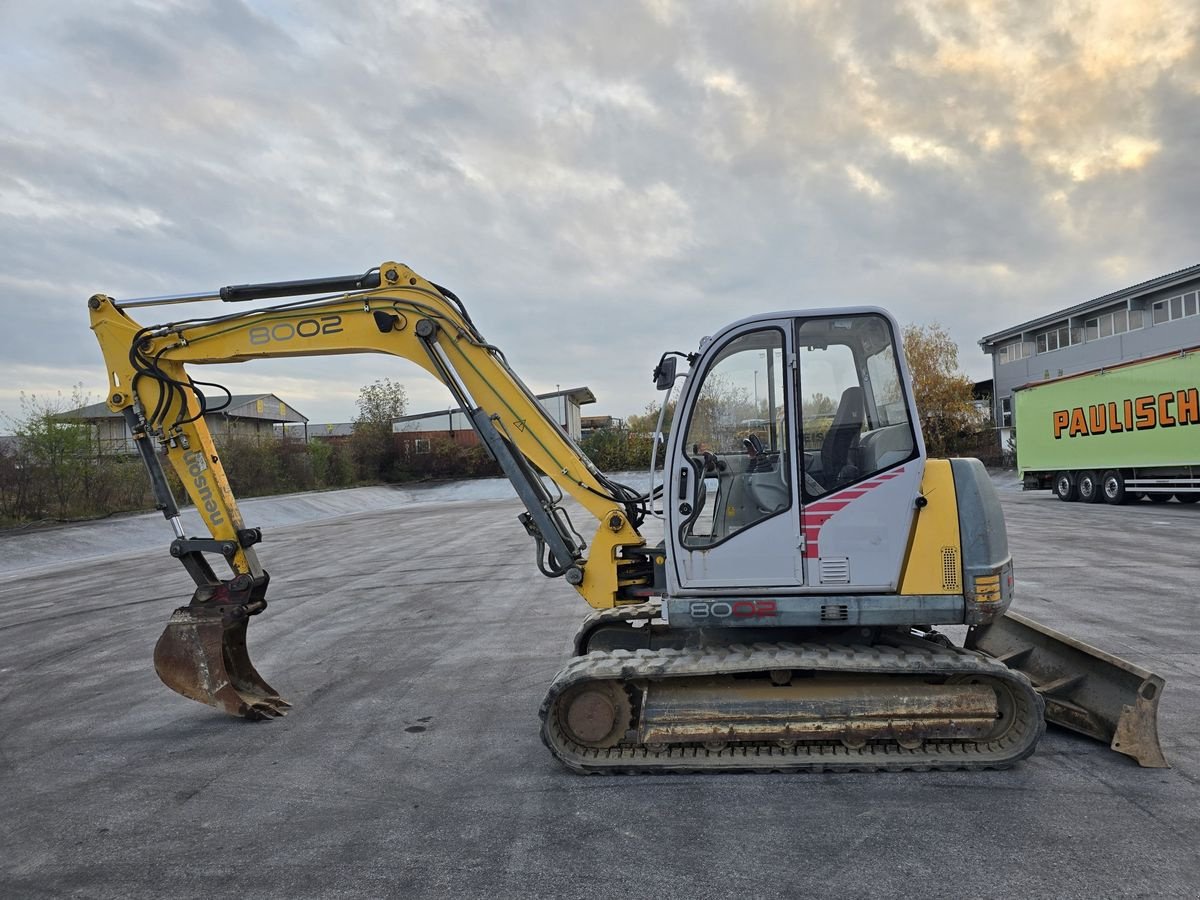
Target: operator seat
[(841, 439)]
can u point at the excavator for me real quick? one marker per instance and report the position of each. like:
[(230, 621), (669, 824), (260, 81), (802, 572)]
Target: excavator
[(791, 618)]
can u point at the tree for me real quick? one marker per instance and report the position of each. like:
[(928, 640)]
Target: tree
[(379, 404), (718, 412), (819, 405), (55, 457), (620, 450), (648, 421), (943, 394)]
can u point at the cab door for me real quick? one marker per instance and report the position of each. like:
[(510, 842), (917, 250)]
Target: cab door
[(732, 511)]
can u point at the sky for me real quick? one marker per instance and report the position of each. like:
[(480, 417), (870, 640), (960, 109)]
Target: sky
[(599, 182)]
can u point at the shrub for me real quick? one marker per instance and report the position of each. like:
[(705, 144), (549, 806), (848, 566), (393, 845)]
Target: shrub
[(618, 450)]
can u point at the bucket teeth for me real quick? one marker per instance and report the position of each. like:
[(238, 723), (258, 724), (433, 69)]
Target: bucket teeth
[(202, 655)]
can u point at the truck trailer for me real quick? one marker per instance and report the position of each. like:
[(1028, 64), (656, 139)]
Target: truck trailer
[(1116, 433)]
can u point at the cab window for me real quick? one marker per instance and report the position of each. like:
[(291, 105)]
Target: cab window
[(736, 439), (854, 414)]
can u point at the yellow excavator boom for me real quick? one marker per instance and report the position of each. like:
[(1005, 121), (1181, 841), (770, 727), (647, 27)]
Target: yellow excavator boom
[(404, 316), (389, 310)]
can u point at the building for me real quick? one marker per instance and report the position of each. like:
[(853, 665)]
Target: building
[(334, 432), (1147, 319), (249, 416), (416, 431), (589, 425)]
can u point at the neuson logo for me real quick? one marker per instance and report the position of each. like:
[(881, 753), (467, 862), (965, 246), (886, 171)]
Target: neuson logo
[(1164, 410), (196, 466)]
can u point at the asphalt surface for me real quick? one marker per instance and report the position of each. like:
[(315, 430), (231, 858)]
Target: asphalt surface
[(40, 546), (416, 644)]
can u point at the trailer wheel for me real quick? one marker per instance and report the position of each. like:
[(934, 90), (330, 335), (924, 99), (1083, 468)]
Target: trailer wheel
[(1087, 483), (1113, 486), (1189, 497), (1065, 488)]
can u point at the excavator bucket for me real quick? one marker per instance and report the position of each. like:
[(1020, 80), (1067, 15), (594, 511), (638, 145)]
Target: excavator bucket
[(1085, 689), (202, 655)]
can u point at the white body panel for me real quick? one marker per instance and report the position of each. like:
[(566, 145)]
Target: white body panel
[(866, 524), (767, 554)]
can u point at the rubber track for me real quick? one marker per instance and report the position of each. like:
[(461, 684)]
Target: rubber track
[(627, 666), (645, 611)]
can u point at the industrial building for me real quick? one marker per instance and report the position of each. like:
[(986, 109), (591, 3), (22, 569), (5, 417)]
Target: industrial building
[(250, 416), (1147, 319), (414, 432)]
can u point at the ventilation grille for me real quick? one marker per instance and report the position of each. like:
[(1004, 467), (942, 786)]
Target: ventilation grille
[(950, 569), (835, 571), (835, 612)]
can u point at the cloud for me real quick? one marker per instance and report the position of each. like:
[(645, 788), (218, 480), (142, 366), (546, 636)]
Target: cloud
[(598, 182)]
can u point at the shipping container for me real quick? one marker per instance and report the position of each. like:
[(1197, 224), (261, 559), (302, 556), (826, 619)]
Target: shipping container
[(1114, 434)]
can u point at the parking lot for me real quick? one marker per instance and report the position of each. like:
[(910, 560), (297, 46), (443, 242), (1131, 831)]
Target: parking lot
[(416, 645)]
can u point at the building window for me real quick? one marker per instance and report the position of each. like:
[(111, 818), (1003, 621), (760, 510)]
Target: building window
[(1059, 339), (1175, 308), (1118, 321), (1006, 412), (1012, 352)]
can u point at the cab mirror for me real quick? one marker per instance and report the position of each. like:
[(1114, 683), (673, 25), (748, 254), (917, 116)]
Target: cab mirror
[(664, 373)]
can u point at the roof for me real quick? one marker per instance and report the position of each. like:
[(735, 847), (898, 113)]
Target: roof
[(581, 396), (1162, 282), (91, 411), (240, 406)]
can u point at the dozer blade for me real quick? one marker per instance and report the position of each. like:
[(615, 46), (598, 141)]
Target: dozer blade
[(202, 655), (1085, 689)]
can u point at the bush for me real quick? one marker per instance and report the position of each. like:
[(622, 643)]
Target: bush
[(445, 459), (253, 468), (329, 464), (15, 486), (618, 450), (281, 466), (338, 464), (983, 445), (50, 470)]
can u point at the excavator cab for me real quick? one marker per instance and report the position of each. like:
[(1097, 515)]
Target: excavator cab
[(763, 444)]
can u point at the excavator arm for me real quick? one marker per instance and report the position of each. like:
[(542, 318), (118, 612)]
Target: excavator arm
[(202, 653)]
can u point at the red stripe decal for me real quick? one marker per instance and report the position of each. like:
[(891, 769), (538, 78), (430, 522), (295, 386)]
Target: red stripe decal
[(826, 506)]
